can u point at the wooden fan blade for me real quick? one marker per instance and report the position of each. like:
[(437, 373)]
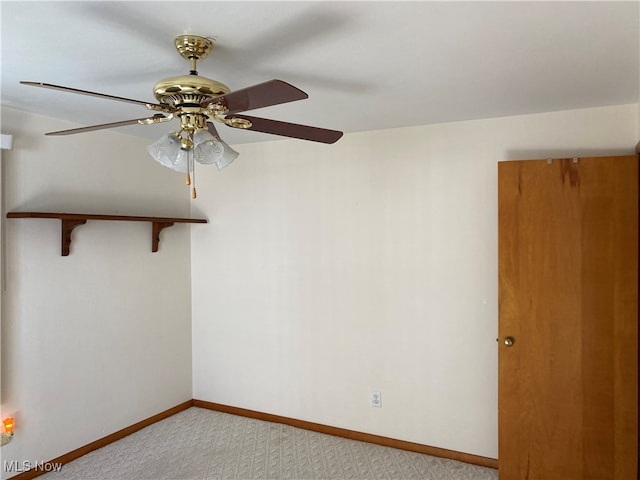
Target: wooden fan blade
[(293, 130), (103, 126), (95, 94), (261, 95), (212, 129)]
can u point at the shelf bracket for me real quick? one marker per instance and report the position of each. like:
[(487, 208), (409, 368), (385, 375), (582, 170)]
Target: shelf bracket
[(67, 227), (157, 227)]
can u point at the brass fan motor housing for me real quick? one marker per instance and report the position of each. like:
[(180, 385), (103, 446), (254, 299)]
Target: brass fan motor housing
[(191, 89)]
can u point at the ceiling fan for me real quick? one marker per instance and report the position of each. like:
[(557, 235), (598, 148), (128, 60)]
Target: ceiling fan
[(197, 101)]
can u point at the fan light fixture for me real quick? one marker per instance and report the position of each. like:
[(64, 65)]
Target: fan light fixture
[(180, 150)]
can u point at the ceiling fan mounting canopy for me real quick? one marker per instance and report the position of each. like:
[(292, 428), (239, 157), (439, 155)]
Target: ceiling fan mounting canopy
[(193, 46)]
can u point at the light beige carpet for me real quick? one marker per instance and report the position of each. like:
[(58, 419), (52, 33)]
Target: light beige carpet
[(198, 444)]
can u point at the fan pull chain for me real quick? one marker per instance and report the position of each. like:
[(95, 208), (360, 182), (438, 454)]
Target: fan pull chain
[(193, 186), (192, 168)]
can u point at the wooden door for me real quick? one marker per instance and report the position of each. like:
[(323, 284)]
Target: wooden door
[(568, 299)]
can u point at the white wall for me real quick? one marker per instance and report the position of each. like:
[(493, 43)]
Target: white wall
[(332, 271), (101, 339)]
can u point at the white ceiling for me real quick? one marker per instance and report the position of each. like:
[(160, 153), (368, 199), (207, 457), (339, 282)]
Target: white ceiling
[(365, 65)]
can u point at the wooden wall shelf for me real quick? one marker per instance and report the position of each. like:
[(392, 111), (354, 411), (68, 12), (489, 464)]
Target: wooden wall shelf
[(72, 220)]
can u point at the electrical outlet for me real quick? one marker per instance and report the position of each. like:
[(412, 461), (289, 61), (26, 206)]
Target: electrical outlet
[(376, 399)]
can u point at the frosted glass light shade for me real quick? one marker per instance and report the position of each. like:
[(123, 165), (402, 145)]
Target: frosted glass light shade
[(228, 155), (165, 150), (181, 162), (172, 151), (207, 149)]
